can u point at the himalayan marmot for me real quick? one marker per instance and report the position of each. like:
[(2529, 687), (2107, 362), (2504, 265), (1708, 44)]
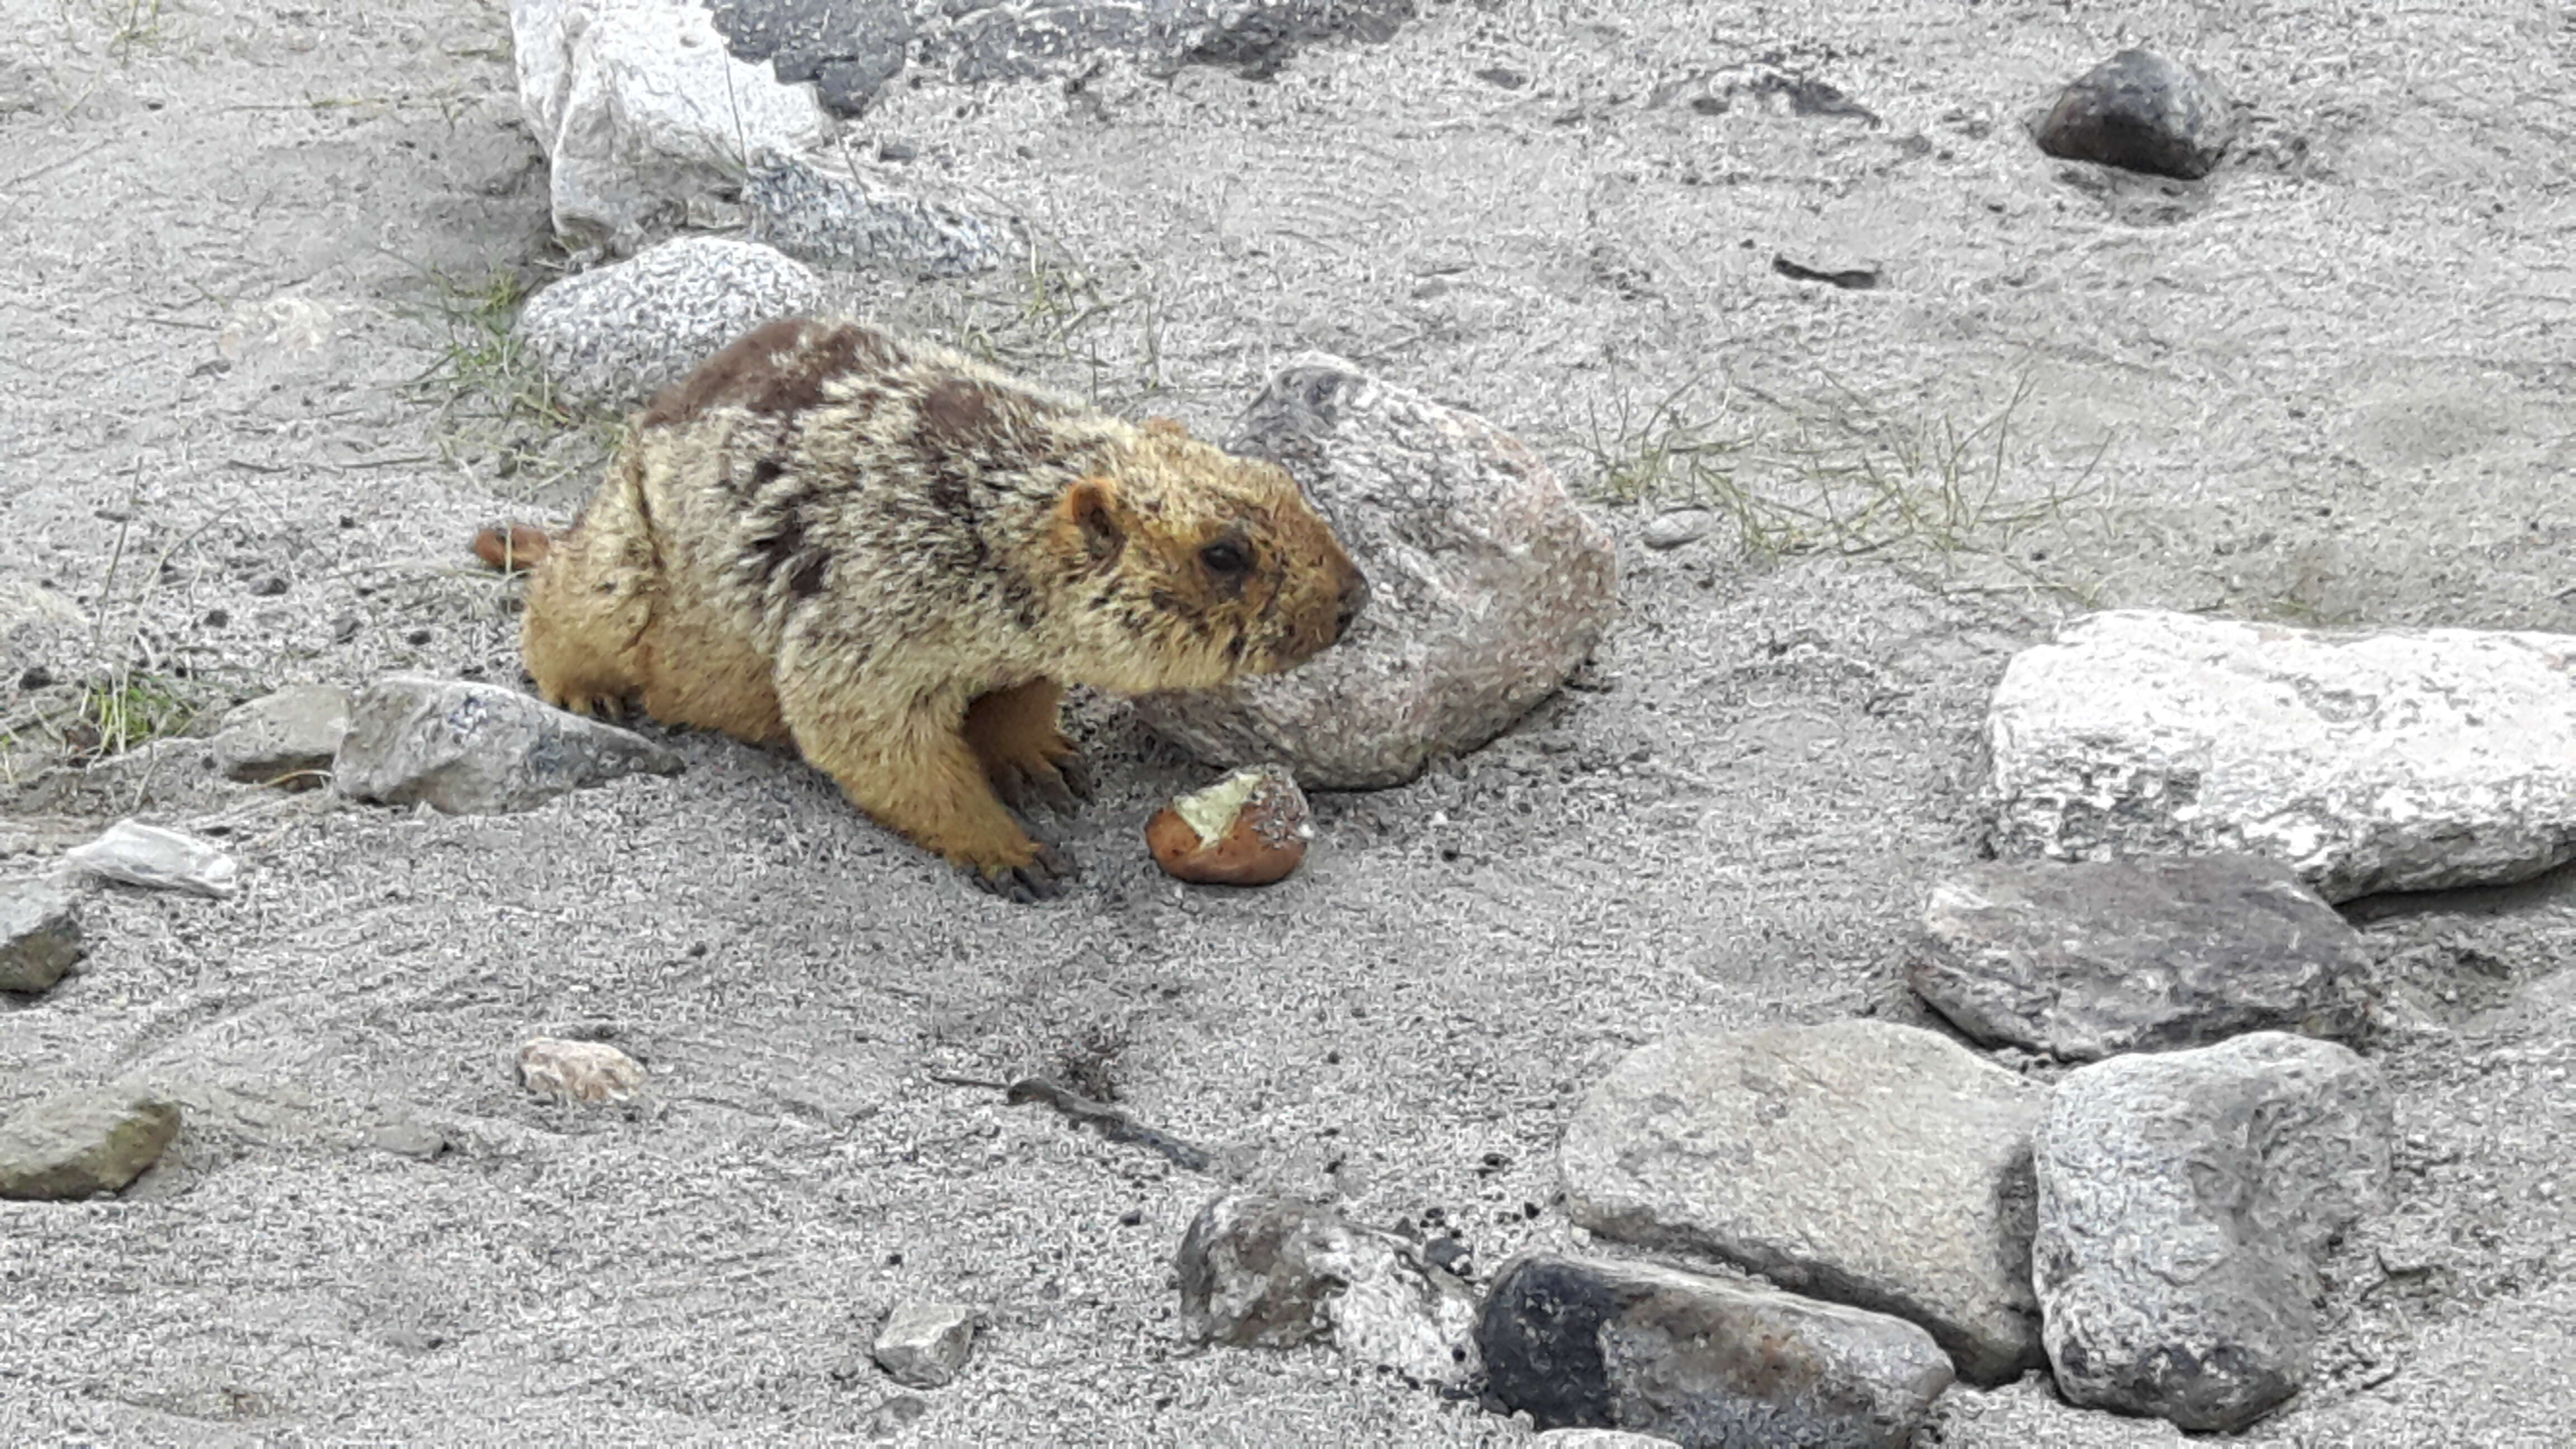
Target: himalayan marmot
[(897, 557)]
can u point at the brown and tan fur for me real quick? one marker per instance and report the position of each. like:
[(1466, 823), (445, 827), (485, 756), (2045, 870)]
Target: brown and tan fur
[(897, 557)]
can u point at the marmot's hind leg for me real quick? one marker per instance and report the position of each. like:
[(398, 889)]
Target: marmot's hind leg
[(1018, 735), (590, 602), (912, 772)]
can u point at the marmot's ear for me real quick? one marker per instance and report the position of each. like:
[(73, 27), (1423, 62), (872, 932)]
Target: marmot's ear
[(1164, 428), (1090, 506)]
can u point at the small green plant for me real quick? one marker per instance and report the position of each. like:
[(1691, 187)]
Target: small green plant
[(1048, 314), (1848, 481), (125, 711)]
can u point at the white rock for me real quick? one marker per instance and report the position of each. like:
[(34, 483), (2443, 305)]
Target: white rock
[(579, 1071), (1275, 1272), (615, 335), (147, 855), (643, 113), (924, 1345), (2393, 760), (1487, 587)]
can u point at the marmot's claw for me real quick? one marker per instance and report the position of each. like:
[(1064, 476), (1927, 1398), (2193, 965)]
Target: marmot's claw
[(1061, 787), (1042, 879), (1079, 782)]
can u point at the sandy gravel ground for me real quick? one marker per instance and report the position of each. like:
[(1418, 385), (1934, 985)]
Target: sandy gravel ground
[(245, 436)]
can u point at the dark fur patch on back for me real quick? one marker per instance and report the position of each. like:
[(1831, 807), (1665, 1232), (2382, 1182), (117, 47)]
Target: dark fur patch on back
[(807, 581), (777, 367), (957, 415)]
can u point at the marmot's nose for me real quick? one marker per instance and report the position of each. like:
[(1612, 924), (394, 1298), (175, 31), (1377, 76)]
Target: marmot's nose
[(1355, 597)]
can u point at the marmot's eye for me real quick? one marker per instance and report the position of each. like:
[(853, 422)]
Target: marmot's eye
[(1225, 556)]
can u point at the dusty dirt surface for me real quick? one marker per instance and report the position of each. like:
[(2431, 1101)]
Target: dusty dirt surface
[(253, 409)]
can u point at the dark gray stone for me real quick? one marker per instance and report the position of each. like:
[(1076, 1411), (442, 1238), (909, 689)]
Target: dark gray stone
[(2185, 1199), (1869, 1163), (2086, 961), (1707, 1363), (1487, 587), (79, 1143), (285, 737), (849, 49), (479, 749), (1275, 1272), (835, 219), (40, 935), (2142, 112)]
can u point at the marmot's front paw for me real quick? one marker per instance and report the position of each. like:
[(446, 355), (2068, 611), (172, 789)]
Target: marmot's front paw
[(1042, 879), (1060, 781)]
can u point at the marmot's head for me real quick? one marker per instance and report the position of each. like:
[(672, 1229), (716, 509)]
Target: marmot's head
[(1195, 567)]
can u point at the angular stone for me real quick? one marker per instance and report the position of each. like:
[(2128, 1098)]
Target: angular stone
[(292, 733), (40, 935), (1703, 1362), (479, 749), (1487, 587), (643, 115), (832, 217), (579, 1071), (1275, 1272), (2184, 1201), (79, 1143), (1672, 530), (156, 859), (2142, 112), (1863, 1162), (2086, 961), (924, 1345), (615, 335), (849, 49), (2392, 760)]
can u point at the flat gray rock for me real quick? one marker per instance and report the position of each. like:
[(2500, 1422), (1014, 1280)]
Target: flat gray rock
[(613, 336), (479, 749), (924, 1345), (1703, 1362), (644, 116), (2184, 1201), (1487, 587), (1879, 1165), (833, 217), (2142, 112), (40, 935), (1681, 526), (2082, 961), (133, 853), (283, 737), (71, 1146), (1275, 1272), (2394, 760), (990, 40)]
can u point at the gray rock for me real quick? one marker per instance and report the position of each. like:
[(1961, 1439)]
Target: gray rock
[(290, 735), (1672, 530), (1703, 1362), (2086, 961), (40, 935), (2184, 1201), (79, 1143), (408, 1139), (849, 49), (157, 859), (1017, 39), (1602, 1439), (1275, 1273), (1864, 1162), (924, 1345), (615, 335), (835, 218), (2142, 112), (1487, 587), (479, 749), (2383, 761), (644, 116)]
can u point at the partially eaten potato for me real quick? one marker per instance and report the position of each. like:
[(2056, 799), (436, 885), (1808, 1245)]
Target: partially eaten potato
[(512, 549), (1247, 829)]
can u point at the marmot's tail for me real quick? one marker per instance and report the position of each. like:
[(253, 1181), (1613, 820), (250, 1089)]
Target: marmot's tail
[(512, 548)]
